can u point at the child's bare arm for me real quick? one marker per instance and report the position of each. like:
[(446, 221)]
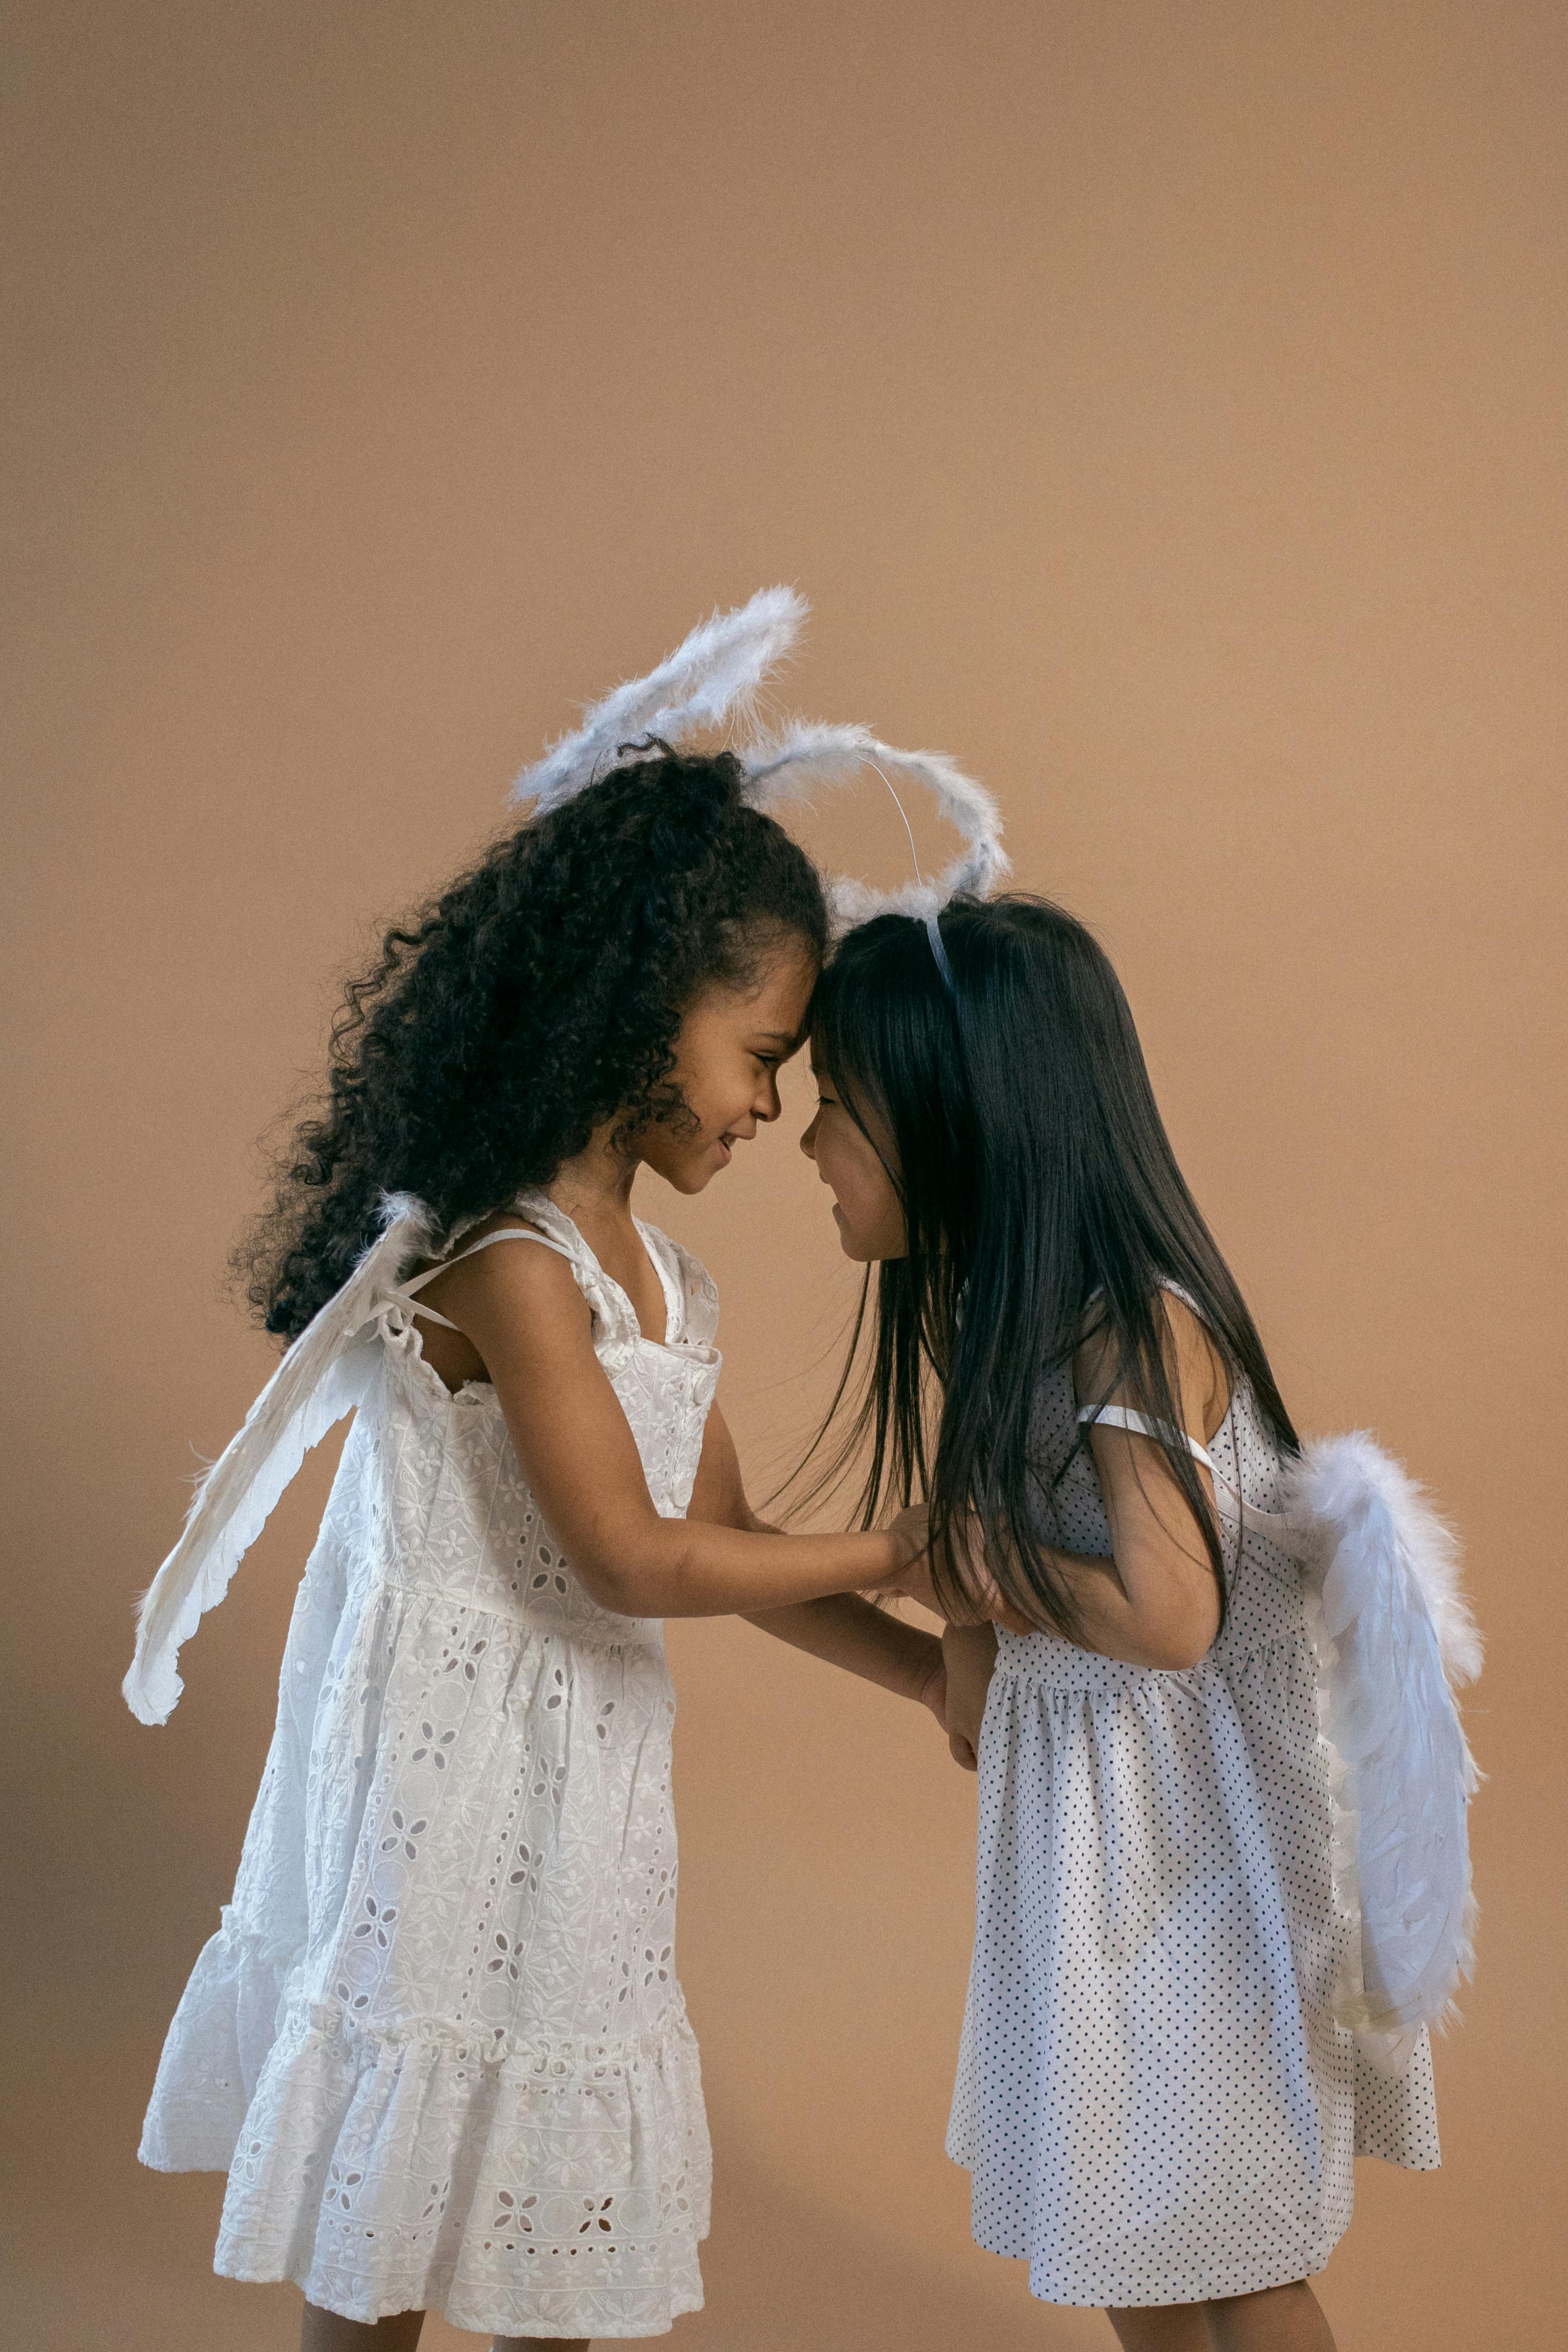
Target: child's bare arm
[(529, 1325), (1155, 1602), (843, 1630)]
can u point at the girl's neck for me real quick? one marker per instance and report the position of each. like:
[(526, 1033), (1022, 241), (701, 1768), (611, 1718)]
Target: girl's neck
[(595, 1189)]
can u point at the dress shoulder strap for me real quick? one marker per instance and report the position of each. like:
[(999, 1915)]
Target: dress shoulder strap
[(1280, 1528), (688, 1287), (1164, 1432), (614, 1324), (503, 1234)]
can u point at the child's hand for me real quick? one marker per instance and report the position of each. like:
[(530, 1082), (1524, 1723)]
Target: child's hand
[(909, 1535), (913, 1578), (970, 1655)]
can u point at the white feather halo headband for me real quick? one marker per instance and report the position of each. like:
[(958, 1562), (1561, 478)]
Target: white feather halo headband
[(717, 671)]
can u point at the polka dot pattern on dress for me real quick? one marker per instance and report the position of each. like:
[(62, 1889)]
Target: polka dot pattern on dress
[(1154, 2099)]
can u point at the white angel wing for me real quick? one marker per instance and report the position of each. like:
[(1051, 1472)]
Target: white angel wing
[(716, 669), (1395, 1637), (785, 766), (323, 1375)]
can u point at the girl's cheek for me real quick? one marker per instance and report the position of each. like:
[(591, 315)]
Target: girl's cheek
[(840, 1181)]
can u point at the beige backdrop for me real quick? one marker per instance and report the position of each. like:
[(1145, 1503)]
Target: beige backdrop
[(1162, 406)]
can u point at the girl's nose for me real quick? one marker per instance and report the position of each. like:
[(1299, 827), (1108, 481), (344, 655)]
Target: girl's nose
[(808, 1137)]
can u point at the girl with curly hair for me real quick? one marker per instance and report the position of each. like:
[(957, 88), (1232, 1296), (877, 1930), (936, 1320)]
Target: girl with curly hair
[(438, 2043)]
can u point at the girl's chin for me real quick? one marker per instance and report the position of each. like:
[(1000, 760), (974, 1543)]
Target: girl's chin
[(846, 1239), (695, 1171), (857, 1250)]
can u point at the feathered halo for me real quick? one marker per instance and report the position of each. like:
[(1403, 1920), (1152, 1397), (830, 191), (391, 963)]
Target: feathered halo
[(717, 673)]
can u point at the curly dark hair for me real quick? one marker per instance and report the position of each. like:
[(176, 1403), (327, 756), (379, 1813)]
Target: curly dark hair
[(536, 999)]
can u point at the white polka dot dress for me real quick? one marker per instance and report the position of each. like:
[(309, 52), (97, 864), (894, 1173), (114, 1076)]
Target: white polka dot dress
[(1153, 2098)]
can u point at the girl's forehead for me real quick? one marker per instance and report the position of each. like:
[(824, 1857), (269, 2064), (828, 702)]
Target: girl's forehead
[(788, 969), (846, 1085)]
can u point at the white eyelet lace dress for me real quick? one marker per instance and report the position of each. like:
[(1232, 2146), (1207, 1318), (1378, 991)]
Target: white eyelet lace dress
[(1154, 2099), (438, 2043)]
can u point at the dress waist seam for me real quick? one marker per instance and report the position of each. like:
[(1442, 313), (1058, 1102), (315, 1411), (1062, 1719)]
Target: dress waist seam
[(546, 2055), (640, 1633), (1067, 1679)]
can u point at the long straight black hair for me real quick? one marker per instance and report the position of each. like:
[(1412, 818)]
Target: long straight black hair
[(1043, 1207)]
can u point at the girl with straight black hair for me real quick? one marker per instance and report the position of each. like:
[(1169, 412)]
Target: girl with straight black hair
[(1154, 2100)]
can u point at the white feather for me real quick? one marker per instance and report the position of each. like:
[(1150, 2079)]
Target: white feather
[(714, 672), (785, 767), (323, 1375), (1394, 1637)]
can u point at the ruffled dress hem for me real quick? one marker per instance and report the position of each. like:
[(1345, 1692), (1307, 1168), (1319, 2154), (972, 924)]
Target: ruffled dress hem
[(424, 2168), (523, 2315)]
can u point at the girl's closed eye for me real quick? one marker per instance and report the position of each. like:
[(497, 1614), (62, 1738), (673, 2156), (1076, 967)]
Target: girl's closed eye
[(855, 1158)]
